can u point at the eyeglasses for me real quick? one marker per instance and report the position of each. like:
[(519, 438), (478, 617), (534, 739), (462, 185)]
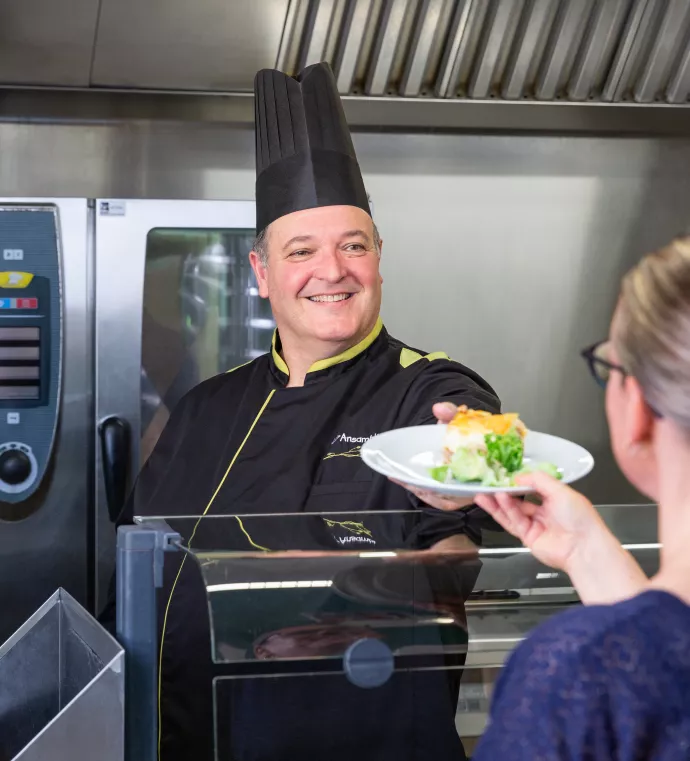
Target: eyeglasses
[(599, 365), (601, 368)]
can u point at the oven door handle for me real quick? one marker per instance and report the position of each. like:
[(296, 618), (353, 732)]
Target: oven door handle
[(115, 452)]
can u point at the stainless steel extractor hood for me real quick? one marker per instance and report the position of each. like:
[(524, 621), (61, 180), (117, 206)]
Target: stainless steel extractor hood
[(600, 65)]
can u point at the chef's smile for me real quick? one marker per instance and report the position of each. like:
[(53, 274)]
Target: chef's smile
[(330, 298)]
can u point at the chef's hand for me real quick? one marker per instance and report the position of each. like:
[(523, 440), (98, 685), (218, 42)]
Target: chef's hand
[(440, 501), (444, 413), (566, 532)]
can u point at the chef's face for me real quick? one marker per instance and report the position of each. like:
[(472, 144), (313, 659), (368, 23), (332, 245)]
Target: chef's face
[(322, 276)]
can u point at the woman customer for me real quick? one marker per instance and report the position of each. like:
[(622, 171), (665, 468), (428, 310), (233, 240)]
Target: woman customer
[(611, 679)]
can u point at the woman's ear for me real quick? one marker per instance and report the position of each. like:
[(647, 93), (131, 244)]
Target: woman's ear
[(639, 419)]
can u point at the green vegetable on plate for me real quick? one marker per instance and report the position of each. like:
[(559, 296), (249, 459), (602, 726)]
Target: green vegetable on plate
[(499, 464)]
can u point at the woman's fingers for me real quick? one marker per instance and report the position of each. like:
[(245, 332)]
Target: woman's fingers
[(520, 522), (487, 502), (506, 511), (492, 506), (542, 483)]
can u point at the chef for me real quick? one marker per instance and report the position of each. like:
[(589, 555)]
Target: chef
[(282, 434)]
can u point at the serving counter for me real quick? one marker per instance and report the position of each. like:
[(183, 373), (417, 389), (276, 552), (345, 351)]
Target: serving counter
[(389, 625), (332, 604)]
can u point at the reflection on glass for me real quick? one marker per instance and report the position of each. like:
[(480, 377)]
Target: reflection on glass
[(202, 316), (284, 586), (316, 607)]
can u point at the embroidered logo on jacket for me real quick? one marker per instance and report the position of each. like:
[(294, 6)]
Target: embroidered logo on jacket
[(343, 438), (352, 532), (354, 452)]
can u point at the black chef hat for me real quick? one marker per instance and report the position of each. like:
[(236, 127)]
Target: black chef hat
[(304, 152)]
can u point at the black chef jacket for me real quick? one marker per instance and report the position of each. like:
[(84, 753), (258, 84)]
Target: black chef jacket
[(242, 443)]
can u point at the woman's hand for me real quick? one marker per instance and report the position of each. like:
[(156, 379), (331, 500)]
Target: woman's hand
[(553, 530), (566, 532), (444, 413)]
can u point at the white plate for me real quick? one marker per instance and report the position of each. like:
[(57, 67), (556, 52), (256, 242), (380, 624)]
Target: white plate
[(406, 454)]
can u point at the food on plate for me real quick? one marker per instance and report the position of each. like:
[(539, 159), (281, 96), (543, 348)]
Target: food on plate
[(486, 449)]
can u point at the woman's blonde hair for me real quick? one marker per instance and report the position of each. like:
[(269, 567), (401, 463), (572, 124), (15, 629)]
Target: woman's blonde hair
[(653, 333)]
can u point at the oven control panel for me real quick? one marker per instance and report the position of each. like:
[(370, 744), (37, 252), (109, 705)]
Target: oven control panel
[(30, 345)]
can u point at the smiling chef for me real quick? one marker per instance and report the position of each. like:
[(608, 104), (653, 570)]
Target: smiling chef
[(282, 434)]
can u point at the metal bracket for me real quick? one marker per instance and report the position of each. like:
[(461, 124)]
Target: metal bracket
[(140, 557), (166, 540)]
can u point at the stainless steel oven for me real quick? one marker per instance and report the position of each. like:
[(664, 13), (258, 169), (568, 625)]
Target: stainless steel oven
[(141, 300)]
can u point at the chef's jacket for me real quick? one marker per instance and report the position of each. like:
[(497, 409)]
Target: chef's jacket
[(244, 443)]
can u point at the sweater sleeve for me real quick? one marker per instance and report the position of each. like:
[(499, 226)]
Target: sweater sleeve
[(583, 687)]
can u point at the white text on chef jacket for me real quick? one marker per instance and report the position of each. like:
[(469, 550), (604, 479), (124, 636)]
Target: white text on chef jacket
[(343, 438)]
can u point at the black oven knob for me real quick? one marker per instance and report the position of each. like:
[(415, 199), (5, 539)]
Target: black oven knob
[(15, 467)]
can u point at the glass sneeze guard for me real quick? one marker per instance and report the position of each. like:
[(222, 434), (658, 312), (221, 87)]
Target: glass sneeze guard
[(296, 603), (291, 587)]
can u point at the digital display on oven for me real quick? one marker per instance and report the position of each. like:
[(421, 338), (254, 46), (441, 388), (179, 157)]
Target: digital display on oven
[(20, 363)]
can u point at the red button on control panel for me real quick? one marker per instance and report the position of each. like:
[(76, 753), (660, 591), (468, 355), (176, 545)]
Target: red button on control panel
[(27, 303)]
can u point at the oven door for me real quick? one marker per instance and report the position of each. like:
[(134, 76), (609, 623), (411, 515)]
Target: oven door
[(176, 303)]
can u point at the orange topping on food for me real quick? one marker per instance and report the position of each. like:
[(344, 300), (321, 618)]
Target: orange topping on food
[(468, 421)]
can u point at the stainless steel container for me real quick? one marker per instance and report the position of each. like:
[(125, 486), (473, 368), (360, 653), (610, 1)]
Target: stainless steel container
[(61, 687)]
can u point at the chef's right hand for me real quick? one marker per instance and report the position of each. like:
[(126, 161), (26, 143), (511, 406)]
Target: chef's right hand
[(444, 412), (557, 529)]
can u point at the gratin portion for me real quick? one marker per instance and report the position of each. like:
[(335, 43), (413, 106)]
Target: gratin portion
[(486, 449), (469, 429)]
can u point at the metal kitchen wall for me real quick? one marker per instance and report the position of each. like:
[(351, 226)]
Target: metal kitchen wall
[(506, 252)]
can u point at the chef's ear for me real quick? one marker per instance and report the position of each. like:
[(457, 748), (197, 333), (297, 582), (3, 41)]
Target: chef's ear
[(260, 271), (380, 252)]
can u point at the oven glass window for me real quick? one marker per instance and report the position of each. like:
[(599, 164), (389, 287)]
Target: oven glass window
[(202, 316)]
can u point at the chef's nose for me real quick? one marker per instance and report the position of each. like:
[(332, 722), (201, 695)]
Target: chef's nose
[(331, 266)]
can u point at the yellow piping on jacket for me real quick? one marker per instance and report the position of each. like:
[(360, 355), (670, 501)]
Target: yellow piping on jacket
[(191, 538)]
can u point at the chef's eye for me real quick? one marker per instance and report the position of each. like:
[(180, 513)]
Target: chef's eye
[(355, 247), (300, 253)]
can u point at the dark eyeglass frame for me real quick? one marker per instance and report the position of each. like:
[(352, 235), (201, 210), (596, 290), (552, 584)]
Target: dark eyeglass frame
[(593, 360)]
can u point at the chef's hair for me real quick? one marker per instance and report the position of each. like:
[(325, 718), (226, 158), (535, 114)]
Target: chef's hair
[(260, 246), (653, 334)]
